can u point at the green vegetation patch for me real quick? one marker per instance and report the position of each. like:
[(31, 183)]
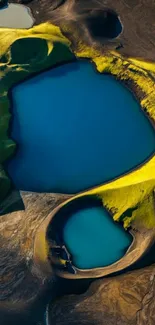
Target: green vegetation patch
[(21, 58)]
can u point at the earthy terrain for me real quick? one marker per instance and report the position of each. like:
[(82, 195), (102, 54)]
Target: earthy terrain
[(121, 300), (137, 17), (22, 285), (24, 289)]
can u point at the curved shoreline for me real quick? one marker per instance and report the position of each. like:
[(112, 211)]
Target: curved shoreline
[(125, 84), (152, 122), (143, 239), (107, 66)]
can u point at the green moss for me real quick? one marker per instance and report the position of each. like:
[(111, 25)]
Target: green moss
[(23, 54), (135, 191), (46, 46)]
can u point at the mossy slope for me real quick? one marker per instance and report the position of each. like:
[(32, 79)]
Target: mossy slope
[(130, 198), (133, 192), (22, 54)]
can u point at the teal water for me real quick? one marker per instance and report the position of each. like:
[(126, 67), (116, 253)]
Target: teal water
[(75, 129), (94, 239)]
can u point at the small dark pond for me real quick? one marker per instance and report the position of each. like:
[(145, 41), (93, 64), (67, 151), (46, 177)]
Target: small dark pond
[(103, 24)]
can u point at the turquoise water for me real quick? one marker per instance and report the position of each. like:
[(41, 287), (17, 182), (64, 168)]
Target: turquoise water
[(94, 239), (75, 129)]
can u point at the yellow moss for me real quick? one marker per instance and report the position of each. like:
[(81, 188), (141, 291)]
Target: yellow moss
[(149, 66), (62, 262), (134, 191), (144, 216), (45, 31), (19, 60), (127, 222), (126, 69)]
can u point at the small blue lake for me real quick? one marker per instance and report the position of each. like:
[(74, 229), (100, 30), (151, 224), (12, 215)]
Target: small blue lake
[(94, 239), (75, 129)]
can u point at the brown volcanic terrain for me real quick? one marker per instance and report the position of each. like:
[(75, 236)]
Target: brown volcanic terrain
[(128, 299), (23, 288), (137, 17)]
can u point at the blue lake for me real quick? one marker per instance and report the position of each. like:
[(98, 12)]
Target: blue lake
[(75, 129), (94, 239)]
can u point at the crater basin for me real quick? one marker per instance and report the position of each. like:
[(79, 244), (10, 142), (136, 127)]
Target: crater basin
[(94, 239), (75, 129)]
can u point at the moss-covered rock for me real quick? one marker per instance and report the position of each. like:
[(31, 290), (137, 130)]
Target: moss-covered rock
[(24, 53)]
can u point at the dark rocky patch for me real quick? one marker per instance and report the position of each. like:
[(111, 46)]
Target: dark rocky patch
[(3, 3)]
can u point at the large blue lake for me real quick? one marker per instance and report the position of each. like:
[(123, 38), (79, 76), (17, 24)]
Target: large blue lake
[(94, 239), (75, 129)]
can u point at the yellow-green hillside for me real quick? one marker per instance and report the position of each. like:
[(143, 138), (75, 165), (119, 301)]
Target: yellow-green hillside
[(133, 192), (22, 54)]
